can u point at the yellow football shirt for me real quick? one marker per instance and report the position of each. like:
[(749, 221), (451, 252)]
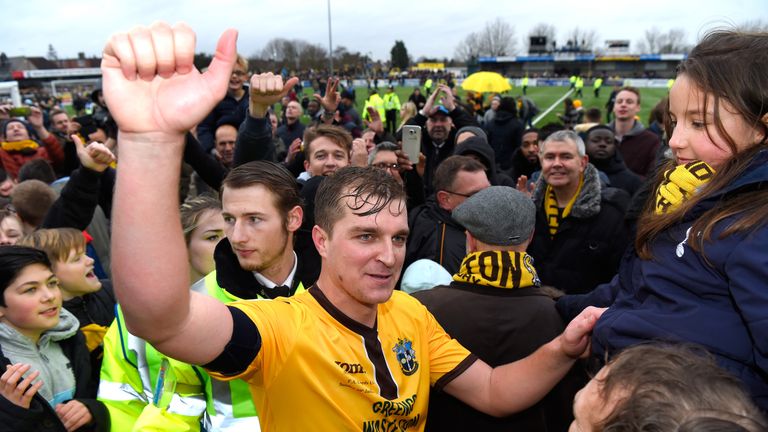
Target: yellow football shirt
[(320, 370)]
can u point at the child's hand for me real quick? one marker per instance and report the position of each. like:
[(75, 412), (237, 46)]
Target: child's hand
[(19, 393), (74, 414)]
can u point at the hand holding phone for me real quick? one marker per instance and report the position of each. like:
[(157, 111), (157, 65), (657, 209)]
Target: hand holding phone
[(412, 142)]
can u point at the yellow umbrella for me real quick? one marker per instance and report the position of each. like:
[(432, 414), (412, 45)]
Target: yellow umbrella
[(486, 82)]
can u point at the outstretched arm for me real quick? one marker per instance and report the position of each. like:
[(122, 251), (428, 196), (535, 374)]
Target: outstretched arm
[(513, 387), (159, 95)]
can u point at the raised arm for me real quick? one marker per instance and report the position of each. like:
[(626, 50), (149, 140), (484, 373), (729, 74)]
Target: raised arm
[(254, 139), (155, 95), (513, 387)]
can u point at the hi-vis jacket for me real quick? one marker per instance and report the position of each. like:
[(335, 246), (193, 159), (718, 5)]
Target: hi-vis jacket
[(145, 390)]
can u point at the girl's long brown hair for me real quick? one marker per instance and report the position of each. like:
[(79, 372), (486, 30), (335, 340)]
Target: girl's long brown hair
[(731, 66)]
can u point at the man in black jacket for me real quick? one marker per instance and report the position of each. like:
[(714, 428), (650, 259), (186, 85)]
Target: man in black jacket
[(580, 233), (434, 234), (601, 149)]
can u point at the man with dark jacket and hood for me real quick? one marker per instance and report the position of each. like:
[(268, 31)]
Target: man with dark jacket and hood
[(477, 148), (505, 132), (434, 234), (525, 160), (580, 233), (601, 149)]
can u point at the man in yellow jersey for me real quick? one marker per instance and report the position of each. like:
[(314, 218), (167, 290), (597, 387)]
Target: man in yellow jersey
[(350, 353)]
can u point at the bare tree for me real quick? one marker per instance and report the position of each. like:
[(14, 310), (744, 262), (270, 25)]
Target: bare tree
[(756, 25), (469, 48), (657, 42), (584, 39), (541, 29), (496, 39)]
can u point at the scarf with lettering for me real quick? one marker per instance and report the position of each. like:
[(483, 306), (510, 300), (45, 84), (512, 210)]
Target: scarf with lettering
[(552, 210), (19, 145), (499, 269), (680, 183)]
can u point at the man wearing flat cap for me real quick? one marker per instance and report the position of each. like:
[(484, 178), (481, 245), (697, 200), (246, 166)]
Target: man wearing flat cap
[(495, 307)]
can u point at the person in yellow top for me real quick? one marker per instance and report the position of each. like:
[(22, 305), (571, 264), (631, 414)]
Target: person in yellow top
[(391, 107), (376, 102), (350, 352), (524, 84), (596, 86), (579, 86)]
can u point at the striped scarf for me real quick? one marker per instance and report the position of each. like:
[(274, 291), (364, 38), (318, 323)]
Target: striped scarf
[(19, 145), (499, 269), (680, 183), (551, 209)]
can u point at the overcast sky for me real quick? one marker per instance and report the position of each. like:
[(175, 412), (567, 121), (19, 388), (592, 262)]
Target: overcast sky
[(428, 27)]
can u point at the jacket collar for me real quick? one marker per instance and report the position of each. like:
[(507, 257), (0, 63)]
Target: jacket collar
[(587, 203)]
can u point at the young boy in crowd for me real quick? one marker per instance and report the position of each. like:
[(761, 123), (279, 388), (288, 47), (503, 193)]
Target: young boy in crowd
[(46, 384), (89, 299)]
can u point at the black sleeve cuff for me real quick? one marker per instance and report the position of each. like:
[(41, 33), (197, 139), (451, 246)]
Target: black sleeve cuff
[(242, 348)]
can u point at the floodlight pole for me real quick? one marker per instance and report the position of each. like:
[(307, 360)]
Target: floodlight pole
[(330, 41)]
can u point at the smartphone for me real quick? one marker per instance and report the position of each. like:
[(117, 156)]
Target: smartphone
[(20, 111), (412, 142)]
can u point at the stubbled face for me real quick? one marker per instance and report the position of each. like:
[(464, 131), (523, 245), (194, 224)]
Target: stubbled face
[(313, 107), (32, 302), (225, 139), (364, 254), (530, 146), (627, 105), (386, 160), (325, 157), (255, 227), (601, 144), (10, 230), (694, 134), (438, 127), (561, 164), (60, 122), (76, 276), (16, 131), (203, 240)]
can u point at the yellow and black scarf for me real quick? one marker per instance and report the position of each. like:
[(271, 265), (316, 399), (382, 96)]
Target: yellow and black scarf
[(19, 145), (680, 183), (499, 269), (551, 209)]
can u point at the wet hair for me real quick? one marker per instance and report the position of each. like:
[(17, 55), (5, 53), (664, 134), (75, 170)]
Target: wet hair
[(365, 186), (274, 177), (446, 172), (14, 259), (382, 146), (57, 243), (32, 199), (338, 135), (663, 387), (193, 209), (565, 136), (717, 67)]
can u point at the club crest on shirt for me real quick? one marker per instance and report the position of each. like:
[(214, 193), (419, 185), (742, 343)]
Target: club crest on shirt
[(406, 356)]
